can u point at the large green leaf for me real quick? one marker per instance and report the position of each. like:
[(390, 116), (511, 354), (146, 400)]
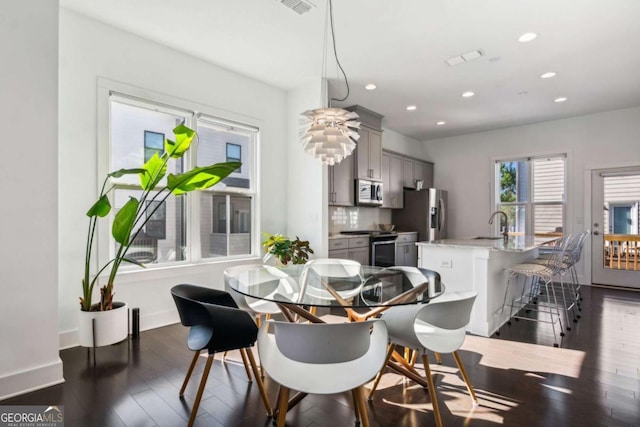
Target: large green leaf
[(100, 208), (184, 137), (122, 172), (200, 178), (123, 222), (153, 172)]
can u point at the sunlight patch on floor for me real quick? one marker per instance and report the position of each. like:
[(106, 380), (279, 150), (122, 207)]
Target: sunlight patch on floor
[(531, 358)]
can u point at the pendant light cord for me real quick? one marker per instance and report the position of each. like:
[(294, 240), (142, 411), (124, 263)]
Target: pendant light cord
[(335, 54)]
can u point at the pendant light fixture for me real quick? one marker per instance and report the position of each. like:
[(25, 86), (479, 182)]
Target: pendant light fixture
[(328, 133)]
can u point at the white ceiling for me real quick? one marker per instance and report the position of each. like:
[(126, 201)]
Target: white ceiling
[(402, 45)]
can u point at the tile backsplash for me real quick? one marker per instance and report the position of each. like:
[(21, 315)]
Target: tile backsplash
[(356, 218)]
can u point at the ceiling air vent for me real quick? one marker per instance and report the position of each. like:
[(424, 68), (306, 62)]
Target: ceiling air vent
[(465, 57), (298, 6)]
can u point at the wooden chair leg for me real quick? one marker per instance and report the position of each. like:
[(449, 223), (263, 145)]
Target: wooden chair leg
[(224, 356), (465, 377), (362, 406), (432, 390), (189, 372), (356, 404), (414, 358), (263, 393), (390, 351), (245, 362), (283, 405), (203, 382), (438, 358)]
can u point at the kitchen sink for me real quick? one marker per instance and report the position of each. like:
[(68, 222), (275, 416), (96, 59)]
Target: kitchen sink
[(487, 238)]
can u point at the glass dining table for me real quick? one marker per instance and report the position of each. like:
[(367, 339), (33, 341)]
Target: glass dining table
[(362, 292)]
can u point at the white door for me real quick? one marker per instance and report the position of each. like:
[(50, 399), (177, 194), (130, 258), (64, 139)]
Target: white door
[(615, 238)]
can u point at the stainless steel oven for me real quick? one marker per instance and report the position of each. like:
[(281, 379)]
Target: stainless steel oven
[(382, 246), (383, 249)]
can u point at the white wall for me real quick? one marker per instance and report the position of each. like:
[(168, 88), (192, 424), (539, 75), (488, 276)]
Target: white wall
[(464, 164), (91, 52), (29, 209), (394, 141), (307, 179)]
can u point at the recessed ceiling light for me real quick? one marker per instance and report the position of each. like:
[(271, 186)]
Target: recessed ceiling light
[(547, 75), (527, 37), (411, 107), (468, 94), (370, 86), (561, 99), (441, 123)]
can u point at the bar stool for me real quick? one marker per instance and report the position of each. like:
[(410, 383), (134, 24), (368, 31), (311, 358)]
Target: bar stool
[(539, 274)]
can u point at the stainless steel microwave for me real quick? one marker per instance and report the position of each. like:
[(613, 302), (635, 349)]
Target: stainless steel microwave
[(368, 193)]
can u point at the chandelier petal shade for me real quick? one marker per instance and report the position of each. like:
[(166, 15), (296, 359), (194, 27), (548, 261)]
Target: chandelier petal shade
[(328, 134)]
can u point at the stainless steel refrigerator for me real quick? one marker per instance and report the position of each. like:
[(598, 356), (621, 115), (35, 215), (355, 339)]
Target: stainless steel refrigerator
[(424, 211)]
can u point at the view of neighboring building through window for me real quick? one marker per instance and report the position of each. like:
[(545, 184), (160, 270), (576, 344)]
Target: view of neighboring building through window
[(531, 192), (234, 153), (226, 219), (153, 144), (137, 132), (622, 204)]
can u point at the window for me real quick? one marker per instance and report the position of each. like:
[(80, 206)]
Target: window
[(200, 225), (226, 217), (532, 193)]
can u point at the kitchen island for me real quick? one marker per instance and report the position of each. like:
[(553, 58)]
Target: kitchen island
[(480, 263)]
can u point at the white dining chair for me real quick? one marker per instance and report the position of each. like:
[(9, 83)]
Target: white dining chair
[(438, 326), (322, 358)]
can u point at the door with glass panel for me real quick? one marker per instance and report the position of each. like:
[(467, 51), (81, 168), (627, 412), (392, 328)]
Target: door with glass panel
[(615, 214)]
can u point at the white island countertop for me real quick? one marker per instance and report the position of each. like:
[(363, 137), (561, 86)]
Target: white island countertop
[(515, 243), (481, 264)]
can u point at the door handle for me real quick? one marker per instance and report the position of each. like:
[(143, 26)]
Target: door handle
[(596, 233)]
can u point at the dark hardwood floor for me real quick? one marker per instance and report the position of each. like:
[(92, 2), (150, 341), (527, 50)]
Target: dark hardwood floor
[(593, 379)]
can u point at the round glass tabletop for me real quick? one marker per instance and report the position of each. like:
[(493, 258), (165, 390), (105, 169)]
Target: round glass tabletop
[(326, 283)]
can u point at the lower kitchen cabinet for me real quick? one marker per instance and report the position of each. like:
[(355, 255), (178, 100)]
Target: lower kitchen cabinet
[(406, 249), (354, 248)]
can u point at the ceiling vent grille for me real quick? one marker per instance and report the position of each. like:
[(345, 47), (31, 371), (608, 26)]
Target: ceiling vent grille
[(298, 6), (465, 57)]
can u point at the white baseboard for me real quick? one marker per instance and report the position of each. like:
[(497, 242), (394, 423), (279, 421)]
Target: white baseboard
[(31, 379), (68, 339), (157, 320)]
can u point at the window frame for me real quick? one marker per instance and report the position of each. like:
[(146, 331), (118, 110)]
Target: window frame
[(530, 204), (109, 90)]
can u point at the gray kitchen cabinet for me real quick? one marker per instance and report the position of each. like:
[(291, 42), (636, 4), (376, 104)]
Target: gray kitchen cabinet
[(341, 183), (360, 255), (369, 145), (392, 180), (413, 170), (406, 249), (354, 248), (369, 154)]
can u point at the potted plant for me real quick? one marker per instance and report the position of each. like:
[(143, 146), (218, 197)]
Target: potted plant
[(128, 222), (286, 250)]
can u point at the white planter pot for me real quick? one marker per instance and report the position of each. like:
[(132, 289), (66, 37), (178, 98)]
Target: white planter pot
[(112, 326)]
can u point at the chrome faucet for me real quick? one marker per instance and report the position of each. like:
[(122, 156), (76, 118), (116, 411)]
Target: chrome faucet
[(505, 230)]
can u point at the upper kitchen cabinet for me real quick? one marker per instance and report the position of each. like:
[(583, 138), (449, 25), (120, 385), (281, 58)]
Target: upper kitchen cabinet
[(341, 184), (392, 180), (369, 145), (414, 170)]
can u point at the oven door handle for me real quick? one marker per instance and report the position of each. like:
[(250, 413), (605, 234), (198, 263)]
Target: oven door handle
[(384, 242)]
